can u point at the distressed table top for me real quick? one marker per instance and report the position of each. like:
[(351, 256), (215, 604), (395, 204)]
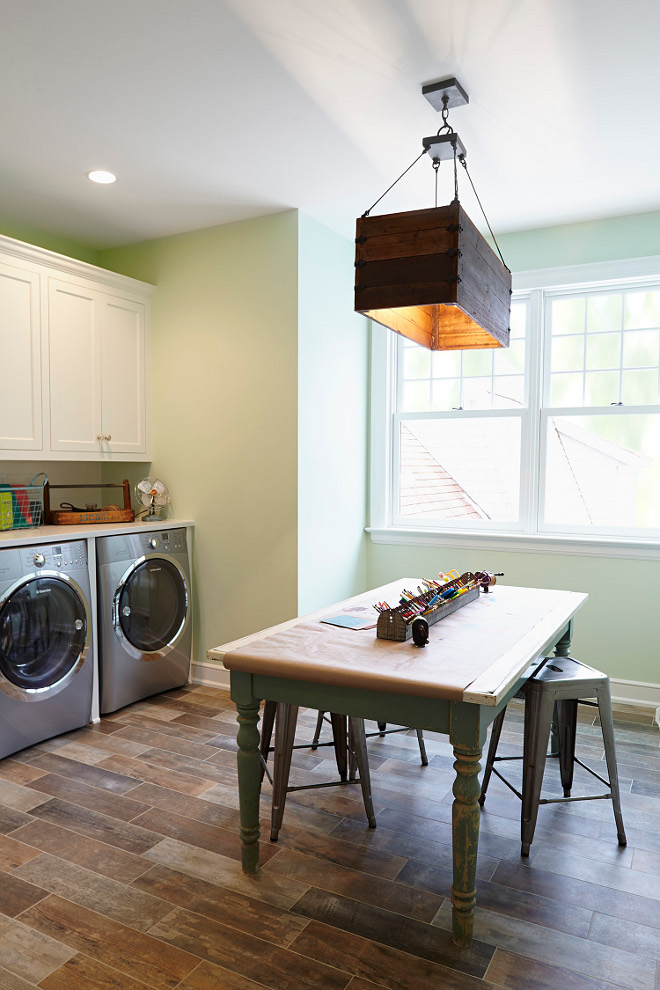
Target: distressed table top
[(474, 655)]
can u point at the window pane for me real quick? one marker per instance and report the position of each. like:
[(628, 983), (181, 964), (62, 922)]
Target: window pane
[(604, 351), (416, 362), (518, 321), (568, 354), (477, 393), (568, 315), (604, 313), (640, 350), (478, 362), (642, 309), (416, 397), (510, 360), (566, 390), (462, 468), (509, 392), (603, 471), (639, 388), (446, 364), (601, 388), (445, 394)]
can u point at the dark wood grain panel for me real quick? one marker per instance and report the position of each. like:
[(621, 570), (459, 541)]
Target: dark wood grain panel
[(84, 773), (96, 826), (247, 914), (134, 953), (142, 772), (82, 850), (400, 933), (381, 964), (14, 851), (276, 968), (91, 890), (210, 977), (17, 894), (200, 834), (19, 773), (514, 972), (94, 798), (83, 973)]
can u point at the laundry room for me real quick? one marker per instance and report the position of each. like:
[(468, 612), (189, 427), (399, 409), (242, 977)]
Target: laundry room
[(298, 300)]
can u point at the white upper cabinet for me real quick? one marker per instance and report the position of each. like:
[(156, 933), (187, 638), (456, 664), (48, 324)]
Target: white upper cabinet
[(123, 375), (20, 360), (74, 359)]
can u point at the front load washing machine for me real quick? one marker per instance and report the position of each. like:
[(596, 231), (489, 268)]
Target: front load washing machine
[(145, 627), (46, 661)]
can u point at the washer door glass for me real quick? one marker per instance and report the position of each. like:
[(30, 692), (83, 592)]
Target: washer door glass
[(152, 605), (43, 628)]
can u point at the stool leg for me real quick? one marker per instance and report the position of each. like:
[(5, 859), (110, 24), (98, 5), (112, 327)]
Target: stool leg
[(422, 748), (567, 726), (285, 731), (607, 725), (359, 747), (339, 733), (538, 719), (317, 730), (270, 707), (381, 727), (495, 734)]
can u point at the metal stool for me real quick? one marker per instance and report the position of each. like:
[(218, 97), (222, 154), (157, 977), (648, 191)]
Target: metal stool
[(382, 731), (349, 741), (563, 682)]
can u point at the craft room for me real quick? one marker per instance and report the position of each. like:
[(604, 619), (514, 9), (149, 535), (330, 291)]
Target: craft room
[(329, 477)]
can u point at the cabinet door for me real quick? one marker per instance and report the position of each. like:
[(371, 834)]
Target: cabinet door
[(123, 377), (74, 325), (20, 360)]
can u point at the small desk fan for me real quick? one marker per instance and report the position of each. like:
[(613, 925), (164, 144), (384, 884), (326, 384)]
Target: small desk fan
[(154, 495)]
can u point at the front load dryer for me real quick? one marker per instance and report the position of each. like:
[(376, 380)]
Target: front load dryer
[(145, 625), (46, 660)]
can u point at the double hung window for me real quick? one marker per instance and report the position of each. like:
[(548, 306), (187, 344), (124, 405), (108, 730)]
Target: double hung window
[(557, 434)]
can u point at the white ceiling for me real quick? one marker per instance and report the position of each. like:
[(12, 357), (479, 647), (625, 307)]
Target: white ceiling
[(211, 111)]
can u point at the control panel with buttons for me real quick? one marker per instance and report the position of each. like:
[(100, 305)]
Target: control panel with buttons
[(57, 556)]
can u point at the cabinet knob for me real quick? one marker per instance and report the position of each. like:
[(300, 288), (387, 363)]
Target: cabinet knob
[(100, 436), (103, 436), (108, 437)]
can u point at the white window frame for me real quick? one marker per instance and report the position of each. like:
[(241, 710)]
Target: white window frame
[(528, 535)]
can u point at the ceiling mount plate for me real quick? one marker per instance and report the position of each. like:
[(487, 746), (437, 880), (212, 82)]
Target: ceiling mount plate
[(435, 91)]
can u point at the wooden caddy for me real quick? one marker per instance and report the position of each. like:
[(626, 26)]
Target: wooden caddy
[(112, 513)]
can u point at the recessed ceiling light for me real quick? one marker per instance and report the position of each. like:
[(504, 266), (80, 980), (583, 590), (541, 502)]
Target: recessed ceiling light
[(99, 175)]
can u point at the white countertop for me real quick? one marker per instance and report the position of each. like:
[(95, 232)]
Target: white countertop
[(57, 534)]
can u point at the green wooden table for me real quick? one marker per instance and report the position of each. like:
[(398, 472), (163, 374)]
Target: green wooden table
[(477, 659)]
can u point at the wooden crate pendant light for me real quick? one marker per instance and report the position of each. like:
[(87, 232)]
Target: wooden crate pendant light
[(430, 275)]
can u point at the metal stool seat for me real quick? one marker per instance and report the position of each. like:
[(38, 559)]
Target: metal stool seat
[(566, 683), (348, 740), (382, 731)]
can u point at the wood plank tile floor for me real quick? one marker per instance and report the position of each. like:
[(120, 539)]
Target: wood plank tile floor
[(120, 866)]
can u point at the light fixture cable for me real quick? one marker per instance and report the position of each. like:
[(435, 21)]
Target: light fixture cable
[(464, 164), (367, 212)]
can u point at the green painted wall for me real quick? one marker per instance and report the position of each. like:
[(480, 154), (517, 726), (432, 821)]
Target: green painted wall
[(52, 242), (618, 630), (224, 411), (332, 423)]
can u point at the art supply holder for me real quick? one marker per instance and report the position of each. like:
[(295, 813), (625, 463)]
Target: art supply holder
[(111, 513), (392, 625), (21, 505)]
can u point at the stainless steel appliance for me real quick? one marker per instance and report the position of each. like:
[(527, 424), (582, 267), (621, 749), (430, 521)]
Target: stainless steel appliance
[(46, 660), (145, 629)]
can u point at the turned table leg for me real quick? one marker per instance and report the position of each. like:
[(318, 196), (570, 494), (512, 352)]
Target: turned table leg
[(465, 832), (249, 781)]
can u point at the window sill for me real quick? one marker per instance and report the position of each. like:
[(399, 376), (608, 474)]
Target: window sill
[(519, 543)]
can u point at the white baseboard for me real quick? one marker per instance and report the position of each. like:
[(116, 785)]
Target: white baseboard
[(213, 674), (635, 692), (209, 673)]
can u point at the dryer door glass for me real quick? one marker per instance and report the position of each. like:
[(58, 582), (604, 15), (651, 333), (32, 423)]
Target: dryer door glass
[(152, 605), (43, 628)]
